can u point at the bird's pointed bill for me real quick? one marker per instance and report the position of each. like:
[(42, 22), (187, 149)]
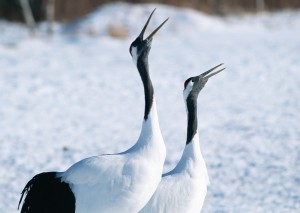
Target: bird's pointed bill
[(145, 27), (207, 77), (205, 74)]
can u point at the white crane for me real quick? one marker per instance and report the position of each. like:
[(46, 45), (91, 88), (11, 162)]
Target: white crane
[(184, 188), (122, 182)]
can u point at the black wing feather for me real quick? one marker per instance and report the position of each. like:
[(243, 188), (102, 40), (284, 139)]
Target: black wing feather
[(46, 193)]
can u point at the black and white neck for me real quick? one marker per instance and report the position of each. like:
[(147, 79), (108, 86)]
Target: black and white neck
[(142, 65), (192, 153), (192, 118), (139, 50), (192, 150), (192, 88), (150, 127)]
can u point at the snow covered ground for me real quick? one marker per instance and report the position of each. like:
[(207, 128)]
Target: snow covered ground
[(78, 94)]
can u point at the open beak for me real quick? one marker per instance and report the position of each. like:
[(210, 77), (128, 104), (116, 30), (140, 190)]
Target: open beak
[(155, 31), (205, 74)]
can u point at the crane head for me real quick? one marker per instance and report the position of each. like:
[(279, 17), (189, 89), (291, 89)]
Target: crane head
[(193, 85), (140, 47)]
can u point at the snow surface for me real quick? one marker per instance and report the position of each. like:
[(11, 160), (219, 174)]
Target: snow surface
[(78, 94)]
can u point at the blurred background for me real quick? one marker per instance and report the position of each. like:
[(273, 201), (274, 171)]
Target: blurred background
[(68, 10), (69, 90)]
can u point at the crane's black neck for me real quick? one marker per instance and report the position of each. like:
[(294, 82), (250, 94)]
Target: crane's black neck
[(143, 68), (191, 104)]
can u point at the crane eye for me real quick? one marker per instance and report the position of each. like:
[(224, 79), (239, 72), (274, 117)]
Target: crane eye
[(186, 82)]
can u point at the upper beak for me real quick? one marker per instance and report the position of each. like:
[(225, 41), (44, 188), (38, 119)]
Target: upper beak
[(155, 31), (204, 75)]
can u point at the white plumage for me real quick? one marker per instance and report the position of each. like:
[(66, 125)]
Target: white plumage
[(122, 182), (184, 188)]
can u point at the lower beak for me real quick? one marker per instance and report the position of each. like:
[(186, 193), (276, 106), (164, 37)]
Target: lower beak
[(205, 74)]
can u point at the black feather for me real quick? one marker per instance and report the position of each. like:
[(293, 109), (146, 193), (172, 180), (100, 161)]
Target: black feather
[(46, 193)]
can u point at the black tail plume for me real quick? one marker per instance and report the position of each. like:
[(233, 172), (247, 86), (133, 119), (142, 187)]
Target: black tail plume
[(46, 193)]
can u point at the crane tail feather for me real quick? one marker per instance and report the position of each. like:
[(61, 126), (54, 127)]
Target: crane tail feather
[(45, 193)]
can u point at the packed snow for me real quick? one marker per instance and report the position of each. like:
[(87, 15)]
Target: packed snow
[(78, 94)]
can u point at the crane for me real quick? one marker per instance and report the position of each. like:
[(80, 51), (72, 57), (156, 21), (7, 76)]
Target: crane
[(184, 188), (121, 182)]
